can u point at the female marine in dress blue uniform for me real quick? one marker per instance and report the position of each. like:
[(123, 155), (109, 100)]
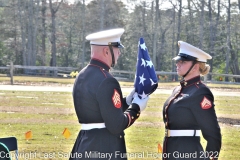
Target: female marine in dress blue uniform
[(190, 111)]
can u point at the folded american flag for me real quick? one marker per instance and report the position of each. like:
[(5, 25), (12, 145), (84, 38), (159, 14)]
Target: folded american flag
[(146, 80)]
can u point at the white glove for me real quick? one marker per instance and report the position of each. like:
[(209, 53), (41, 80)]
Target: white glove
[(142, 103), (129, 97)]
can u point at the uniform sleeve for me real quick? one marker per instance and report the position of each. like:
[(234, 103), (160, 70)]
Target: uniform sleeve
[(110, 99), (204, 112)]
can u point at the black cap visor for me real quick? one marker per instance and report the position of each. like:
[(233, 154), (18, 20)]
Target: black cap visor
[(184, 57), (116, 44)]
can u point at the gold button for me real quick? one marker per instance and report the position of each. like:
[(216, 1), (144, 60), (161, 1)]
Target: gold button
[(166, 124), (120, 136), (165, 115), (132, 117), (137, 114), (185, 83)]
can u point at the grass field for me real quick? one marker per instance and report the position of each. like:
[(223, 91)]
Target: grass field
[(47, 114)]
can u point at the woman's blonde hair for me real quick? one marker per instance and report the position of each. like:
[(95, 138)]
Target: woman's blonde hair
[(204, 68)]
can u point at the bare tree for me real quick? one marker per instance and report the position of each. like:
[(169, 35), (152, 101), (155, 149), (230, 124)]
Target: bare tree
[(179, 22), (213, 25), (35, 31), (228, 38), (155, 33), (173, 41), (44, 34), (201, 24), (179, 11), (102, 8), (83, 33), (234, 54), (22, 19), (30, 33), (53, 10)]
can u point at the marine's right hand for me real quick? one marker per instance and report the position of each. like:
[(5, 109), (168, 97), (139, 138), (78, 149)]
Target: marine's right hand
[(142, 103)]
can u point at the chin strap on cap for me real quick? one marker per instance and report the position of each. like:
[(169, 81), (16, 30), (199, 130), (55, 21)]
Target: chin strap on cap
[(194, 62), (113, 57)]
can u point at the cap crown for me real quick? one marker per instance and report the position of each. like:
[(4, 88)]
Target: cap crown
[(188, 49), (105, 37)]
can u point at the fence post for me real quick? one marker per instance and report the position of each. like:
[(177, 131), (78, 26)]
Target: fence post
[(11, 72), (205, 78)]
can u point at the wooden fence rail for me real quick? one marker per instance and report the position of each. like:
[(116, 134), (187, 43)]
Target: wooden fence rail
[(63, 71)]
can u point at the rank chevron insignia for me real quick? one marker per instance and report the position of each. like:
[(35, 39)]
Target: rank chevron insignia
[(146, 80), (116, 99), (206, 103)]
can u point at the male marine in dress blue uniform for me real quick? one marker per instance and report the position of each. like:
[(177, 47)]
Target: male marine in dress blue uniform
[(189, 110), (100, 106)]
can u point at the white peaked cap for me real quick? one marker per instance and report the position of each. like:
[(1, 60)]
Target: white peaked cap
[(189, 52), (106, 36)]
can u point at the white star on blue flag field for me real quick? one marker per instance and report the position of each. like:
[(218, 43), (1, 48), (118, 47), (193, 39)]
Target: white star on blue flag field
[(146, 80)]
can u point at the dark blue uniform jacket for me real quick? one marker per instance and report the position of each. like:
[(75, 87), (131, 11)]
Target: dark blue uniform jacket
[(191, 107), (98, 99)]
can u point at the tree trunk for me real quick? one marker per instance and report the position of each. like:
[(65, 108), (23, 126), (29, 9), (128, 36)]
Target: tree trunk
[(23, 33), (44, 34), (30, 34), (155, 33), (35, 31), (53, 40), (234, 64), (213, 30), (178, 27), (173, 44), (189, 29), (17, 61), (211, 34), (228, 39), (179, 23), (83, 35), (53, 61), (201, 24), (102, 14), (144, 28)]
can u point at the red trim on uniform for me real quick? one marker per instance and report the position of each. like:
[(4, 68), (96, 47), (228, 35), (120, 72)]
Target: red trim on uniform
[(100, 61), (166, 108), (129, 119), (196, 84), (103, 72), (101, 69)]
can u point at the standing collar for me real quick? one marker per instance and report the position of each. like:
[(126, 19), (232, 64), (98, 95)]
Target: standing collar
[(193, 80), (100, 64)]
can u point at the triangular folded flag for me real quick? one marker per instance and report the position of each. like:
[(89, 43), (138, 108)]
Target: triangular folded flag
[(146, 80), (159, 148), (66, 133), (28, 135)]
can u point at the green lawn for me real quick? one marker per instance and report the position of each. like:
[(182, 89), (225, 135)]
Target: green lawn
[(47, 114)]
